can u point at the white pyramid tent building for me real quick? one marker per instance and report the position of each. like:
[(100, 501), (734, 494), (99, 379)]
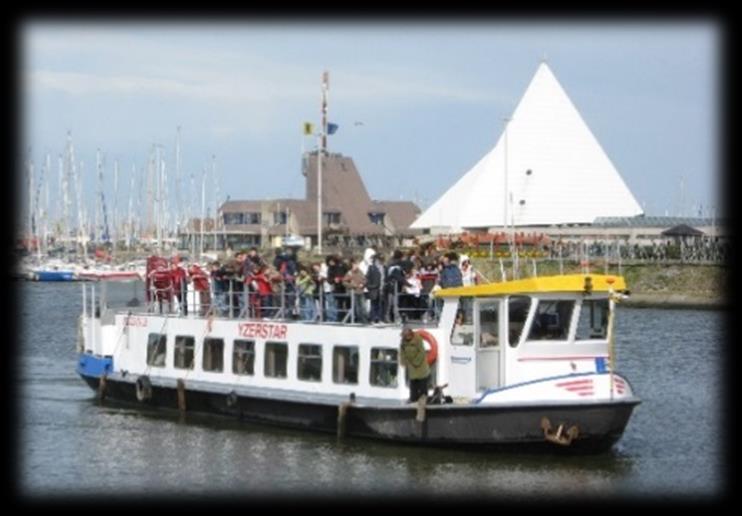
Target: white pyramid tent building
[(556, 172)]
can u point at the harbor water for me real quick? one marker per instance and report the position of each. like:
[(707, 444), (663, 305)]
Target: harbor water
[(71, 445)]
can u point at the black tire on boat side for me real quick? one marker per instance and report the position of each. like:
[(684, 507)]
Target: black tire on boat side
[(144, 388), (232, 399)]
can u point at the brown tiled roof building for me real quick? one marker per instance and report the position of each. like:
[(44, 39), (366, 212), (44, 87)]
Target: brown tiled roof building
[(351, 217)]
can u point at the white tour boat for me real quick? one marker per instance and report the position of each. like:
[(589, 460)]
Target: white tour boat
[(518, 363)]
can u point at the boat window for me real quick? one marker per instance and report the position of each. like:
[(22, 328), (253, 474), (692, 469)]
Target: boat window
[(276, 356), (184, 346), (552, 319), (345, 364), (383, 367), (593, 322), (309, 362), (462, 333), (488, 324), (243, 357), (156, 349), (213, 354), (517, 314)]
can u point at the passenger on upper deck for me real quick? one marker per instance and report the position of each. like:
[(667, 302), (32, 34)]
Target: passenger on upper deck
[(374, 284), (201, 285), (305, 285), (180, 286), (354, 282), (450, 275), (394, 284), (468, 275)]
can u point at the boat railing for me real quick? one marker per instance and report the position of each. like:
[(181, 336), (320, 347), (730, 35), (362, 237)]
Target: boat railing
[(288, 303)]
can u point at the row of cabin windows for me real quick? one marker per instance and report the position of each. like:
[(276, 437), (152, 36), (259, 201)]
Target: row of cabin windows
[(550, 322), (345, 359)]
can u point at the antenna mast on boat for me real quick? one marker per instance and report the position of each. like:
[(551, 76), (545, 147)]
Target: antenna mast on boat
[(320, 152)]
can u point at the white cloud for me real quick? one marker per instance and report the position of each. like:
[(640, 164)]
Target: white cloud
[(85, 60)]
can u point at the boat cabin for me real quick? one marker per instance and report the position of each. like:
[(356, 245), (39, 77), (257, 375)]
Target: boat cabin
[(505, 334)]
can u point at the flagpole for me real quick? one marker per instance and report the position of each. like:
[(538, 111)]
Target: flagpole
[(319, 194), (505, 198), (320, 150)]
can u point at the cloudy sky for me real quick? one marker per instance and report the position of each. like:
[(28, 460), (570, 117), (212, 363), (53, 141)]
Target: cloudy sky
[(417, 104)]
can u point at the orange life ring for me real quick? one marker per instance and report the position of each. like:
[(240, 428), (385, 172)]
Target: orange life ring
[(432, 354)]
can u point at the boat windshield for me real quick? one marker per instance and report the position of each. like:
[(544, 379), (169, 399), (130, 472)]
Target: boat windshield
[(593, 321)]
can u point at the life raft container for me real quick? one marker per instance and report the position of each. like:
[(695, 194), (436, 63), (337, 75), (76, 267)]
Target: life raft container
[(432, 353)]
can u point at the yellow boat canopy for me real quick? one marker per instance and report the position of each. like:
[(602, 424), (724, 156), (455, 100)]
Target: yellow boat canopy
[(575, 283)]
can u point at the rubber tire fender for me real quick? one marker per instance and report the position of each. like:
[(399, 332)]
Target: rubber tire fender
[(144, 388)]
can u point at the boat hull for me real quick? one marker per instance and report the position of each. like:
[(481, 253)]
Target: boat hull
[(600, 424), (53, 275)]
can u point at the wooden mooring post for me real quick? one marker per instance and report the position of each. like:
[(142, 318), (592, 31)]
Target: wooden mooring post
[(181, 396), (342, 426), (102, 388)]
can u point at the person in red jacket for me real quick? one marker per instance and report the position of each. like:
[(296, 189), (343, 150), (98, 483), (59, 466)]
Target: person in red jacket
[(161, 281), (180, 284), (200, 281)]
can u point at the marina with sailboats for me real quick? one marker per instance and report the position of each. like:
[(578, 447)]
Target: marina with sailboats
[(260, 341)]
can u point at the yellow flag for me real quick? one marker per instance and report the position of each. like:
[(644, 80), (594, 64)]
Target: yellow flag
[(308, 128)]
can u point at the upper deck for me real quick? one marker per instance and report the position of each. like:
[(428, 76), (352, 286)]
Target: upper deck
[(574, 283)]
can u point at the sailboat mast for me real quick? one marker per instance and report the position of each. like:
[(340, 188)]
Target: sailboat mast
[(130, 232), (203, 212), (63, 231), (114, 218), (191, 218), (30, 231), (98, 199), (178, 204), (158, 199), (48, 166), (82, 231), (506, 195)]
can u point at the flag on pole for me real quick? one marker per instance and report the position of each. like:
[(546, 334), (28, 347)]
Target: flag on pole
[(331, 128), (308, 128)]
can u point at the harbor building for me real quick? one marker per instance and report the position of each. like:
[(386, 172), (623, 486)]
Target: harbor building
[(350, 217)]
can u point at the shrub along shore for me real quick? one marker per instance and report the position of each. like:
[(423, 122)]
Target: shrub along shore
[(650, 285)]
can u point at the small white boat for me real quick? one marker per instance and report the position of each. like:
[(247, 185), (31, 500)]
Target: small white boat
[(526, 363)]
